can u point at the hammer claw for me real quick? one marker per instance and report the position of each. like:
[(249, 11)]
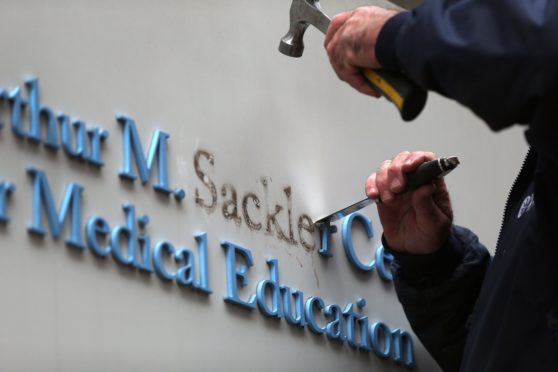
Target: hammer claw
[(302, 14)]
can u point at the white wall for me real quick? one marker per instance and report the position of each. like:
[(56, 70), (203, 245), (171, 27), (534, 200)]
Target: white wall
[(210, 75)]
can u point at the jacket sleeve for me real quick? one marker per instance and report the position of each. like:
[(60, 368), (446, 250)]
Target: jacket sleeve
[(496, 57), (438, 292)]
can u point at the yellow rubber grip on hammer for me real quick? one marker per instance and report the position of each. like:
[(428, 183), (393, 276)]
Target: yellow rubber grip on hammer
[(385, 88), (406, 95)]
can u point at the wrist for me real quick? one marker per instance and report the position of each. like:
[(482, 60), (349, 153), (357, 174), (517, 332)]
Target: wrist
[(419, 245), (385, 49), (441, 261)]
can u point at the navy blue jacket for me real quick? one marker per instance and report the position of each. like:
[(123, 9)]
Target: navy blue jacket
[(500, 59)]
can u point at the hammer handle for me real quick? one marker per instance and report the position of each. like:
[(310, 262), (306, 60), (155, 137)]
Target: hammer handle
[(408, 97)]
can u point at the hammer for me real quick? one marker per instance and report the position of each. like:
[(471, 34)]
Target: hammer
[(408, 97)]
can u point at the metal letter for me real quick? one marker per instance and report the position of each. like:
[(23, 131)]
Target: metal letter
[(298, 317), (130, 230), (203, 285), (348, 241), (334, 327), (157, 149), (158, 265), (6, 189), (35, 113), (273, 284), (381, 257), (380, 337), (403, 348), (96, 137), (311, 303), (42, 201), (233, 276), (97, 226), (78, 149)]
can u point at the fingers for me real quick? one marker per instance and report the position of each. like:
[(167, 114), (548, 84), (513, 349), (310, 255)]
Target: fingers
[(332, 40), (342, 58), (395, 176), (390, 179), (354, 78), (370, 188), (416, 222), (383, 182), (415, 159), (375, 183), (336, 23), (350, 43)]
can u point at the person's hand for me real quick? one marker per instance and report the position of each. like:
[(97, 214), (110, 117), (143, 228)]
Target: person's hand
[(351, 41), (416, 222)]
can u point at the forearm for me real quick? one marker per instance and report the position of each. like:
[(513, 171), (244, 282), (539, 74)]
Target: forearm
[(438, 293), (496, 58)]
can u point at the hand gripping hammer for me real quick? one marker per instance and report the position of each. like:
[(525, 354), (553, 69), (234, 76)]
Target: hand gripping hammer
[(408, 97)]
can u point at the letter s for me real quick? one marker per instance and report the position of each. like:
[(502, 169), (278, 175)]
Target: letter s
[(206, 181)]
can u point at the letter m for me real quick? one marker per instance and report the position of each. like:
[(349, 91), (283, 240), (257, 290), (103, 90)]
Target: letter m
[(43, 202), (133, 149)]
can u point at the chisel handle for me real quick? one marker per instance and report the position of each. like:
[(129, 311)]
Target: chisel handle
[(407, 96), (428, 171)]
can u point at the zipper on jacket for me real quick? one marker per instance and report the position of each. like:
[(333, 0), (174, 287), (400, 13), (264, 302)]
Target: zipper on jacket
[(511, 194)]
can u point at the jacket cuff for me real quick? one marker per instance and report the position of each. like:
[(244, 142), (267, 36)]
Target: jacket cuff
[(385, 45), (413, 267)]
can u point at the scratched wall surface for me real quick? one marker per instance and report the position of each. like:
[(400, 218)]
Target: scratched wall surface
[(261, 143)]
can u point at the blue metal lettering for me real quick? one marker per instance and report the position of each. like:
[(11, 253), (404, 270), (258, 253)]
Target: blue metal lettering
[(364, 342), (325, 239), (132, 148), (16, 114), (3, 100), (95, 228), (334, 327), (311, 304), (96, 136), (6, 189), (362, 321), (348, 241), (43, 115), (350, 329), (143, 262), (273, 285), (381, 258), (145, 247), (129, 233), (43, 201), (158, 265), (78, 149), (36, 111), (380, 338), (203, 285), (403, 348), (185, 274), (234, 276), (298, 317)]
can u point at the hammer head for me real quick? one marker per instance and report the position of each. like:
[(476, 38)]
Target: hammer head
[(302, 14)]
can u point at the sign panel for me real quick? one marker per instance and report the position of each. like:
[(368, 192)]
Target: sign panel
[(160, 168)]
